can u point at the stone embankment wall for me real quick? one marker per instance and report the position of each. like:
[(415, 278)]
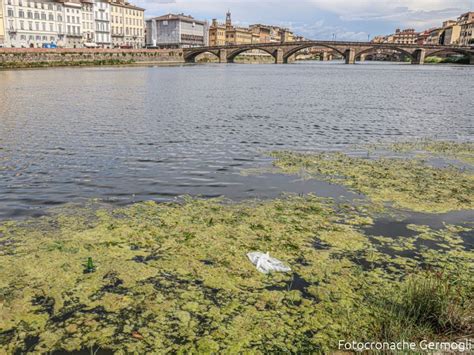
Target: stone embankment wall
[(39, 57)]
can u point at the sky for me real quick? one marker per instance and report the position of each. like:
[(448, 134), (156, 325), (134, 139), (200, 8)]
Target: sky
[(320, 19)]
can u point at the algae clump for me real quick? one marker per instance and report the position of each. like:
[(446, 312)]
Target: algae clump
[(175, 277), (406, 183)]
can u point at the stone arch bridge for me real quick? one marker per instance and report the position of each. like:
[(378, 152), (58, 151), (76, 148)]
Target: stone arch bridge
[(350, 51)]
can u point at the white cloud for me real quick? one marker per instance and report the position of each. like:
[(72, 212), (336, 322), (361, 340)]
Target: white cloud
[(347, 19), (379, 7)]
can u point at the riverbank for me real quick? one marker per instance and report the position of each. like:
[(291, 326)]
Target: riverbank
[(19, 58), (175, 277)]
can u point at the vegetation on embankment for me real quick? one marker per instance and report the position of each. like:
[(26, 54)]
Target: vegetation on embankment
[(65, 63), (447, 60), (19, 58), (175, 277)]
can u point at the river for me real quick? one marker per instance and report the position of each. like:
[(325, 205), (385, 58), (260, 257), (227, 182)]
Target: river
[(126, 134)]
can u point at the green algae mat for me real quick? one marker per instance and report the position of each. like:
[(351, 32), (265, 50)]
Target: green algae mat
[(157, 278)]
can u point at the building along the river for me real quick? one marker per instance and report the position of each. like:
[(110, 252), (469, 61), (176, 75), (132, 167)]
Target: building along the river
[(31, 24), (466, 21), (220, 34), (102, 23), (451, 34), (69, 23), (176, 31), (216, 34), (2, 25), (128, 25), (73, 25), (88, 23)]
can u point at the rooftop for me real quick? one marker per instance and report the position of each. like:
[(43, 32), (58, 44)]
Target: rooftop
[(181, 17)]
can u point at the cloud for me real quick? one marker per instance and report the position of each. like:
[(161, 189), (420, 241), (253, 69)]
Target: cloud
[(320, 19)]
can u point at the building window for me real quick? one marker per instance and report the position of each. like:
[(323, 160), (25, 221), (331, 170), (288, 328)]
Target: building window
[(10, 13)]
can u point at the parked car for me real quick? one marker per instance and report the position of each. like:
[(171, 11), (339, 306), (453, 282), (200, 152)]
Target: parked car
[(49, 45)]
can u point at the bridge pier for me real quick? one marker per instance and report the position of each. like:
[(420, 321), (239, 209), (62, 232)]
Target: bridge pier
[(279, 57), (419, 56), (222, 55), (362, 57), (349, 56), (324, 56)]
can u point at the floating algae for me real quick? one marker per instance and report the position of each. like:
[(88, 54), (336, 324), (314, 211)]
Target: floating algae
[(406, 183), (462, 151), (152, 292), (176, 278)]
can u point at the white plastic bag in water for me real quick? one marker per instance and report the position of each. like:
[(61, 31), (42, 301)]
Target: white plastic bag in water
[(265, 263)]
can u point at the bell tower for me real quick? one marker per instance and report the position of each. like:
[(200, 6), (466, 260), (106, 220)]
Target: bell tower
[(228, 19)]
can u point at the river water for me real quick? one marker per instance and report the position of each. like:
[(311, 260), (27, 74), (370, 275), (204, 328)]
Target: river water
[(125, 134)]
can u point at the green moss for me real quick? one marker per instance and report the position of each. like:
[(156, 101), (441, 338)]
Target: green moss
[(176, 278), (73, 63), (462, 151), (406, 183)]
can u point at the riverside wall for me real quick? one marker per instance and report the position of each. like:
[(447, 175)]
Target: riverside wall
[(40, 57)]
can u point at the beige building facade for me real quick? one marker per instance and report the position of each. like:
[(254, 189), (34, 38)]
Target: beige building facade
[(451, 34), (466, 21), (88, 23), (220, 34), (2, 25), (217, 34), (127, 25)]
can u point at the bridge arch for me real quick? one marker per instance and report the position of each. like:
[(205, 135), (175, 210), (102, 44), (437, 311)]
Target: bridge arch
[(191, 56), (231, 56), (311, 45), (450, 50), (385, 48)]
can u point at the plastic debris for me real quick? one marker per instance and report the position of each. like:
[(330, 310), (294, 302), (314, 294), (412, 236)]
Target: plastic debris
[(265, 263)]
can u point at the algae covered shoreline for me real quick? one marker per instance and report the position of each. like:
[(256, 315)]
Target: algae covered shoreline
[(174, 277)]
